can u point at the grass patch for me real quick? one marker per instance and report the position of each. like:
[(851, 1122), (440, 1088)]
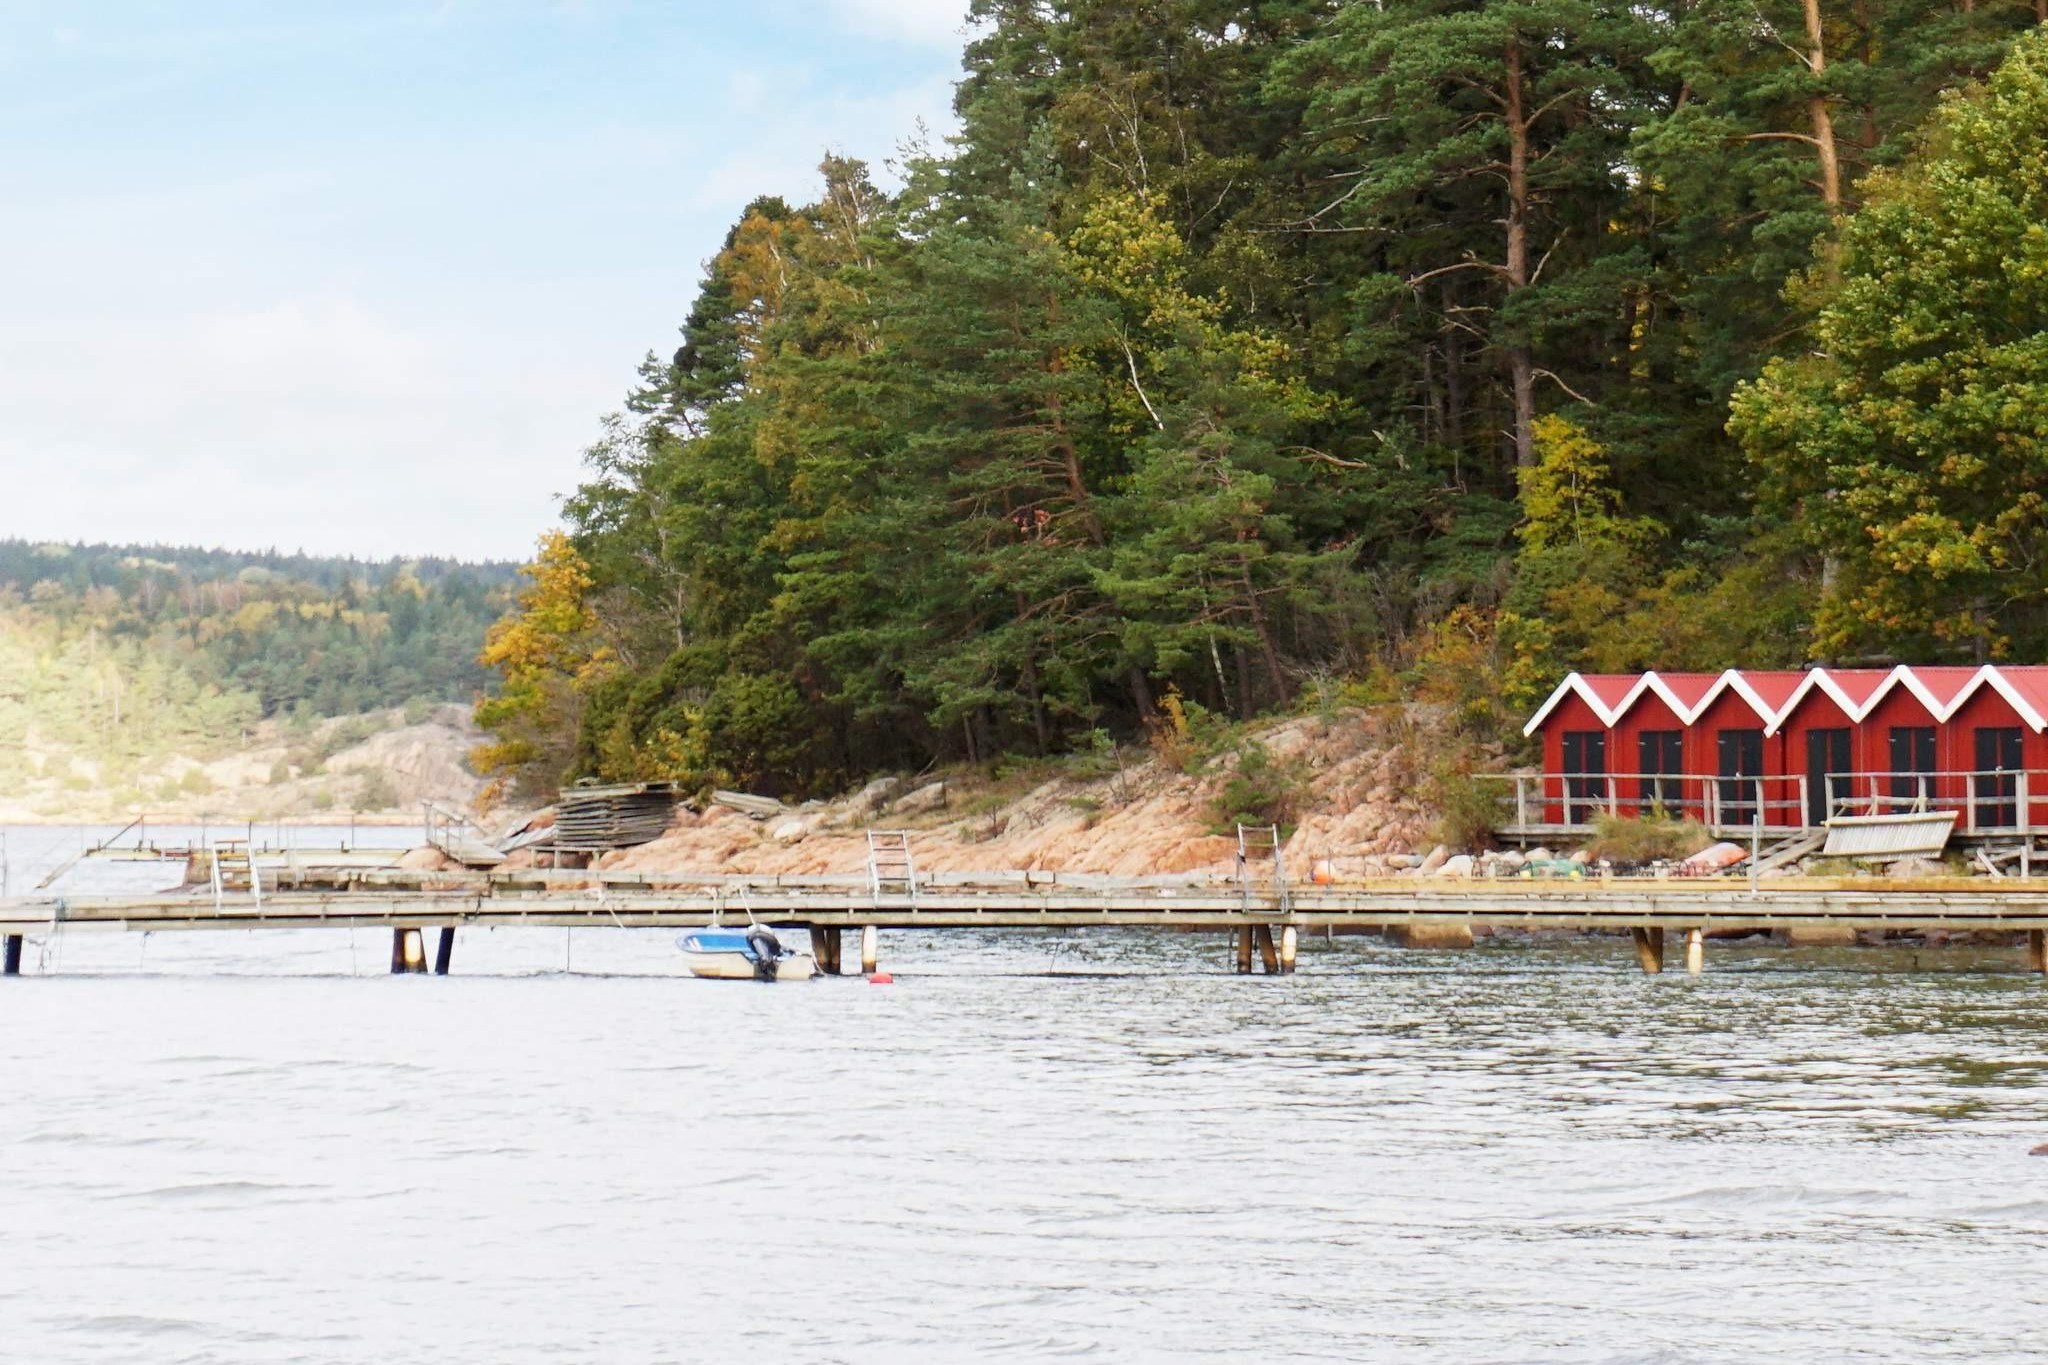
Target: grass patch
[(1646, 838)]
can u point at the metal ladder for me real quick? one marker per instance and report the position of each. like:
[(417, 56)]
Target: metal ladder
[(1261, 841), (891, 869), (230, 861)]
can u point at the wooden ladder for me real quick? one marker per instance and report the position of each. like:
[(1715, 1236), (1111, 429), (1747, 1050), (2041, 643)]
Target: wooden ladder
[(1261, 842), (891, 868)]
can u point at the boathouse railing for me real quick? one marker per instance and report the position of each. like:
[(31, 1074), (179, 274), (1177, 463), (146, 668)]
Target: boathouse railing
[(1985, 801)]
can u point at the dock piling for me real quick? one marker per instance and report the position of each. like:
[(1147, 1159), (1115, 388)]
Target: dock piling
[(869, 949), (1244, 950), (825, 947), (12, 965), (1649, 949), (444, 951), (2037, 950), (408, 951), (1269, 956), (1695, 951)]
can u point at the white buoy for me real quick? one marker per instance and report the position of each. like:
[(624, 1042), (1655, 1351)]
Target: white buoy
[(869, 943), (1288, 943), (1695, 952)]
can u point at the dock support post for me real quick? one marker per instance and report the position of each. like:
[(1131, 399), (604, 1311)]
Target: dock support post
[(825, 947), (2037, 951), (408, 951), (1244, 951), (1290, 942), (444, 951), (869, 948), (12, 966), (1695, 952), (1269, 957), (1649, 949)]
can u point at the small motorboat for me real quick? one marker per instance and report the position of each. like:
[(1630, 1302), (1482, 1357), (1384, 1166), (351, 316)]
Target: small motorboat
[(752, 954)]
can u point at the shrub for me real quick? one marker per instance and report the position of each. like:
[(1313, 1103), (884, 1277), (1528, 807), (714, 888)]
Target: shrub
[(982, 817), (1646, 838), (1262, 790), (1467, 809), (376, 792), (195, 782), (1187, 734), (1094, 757)]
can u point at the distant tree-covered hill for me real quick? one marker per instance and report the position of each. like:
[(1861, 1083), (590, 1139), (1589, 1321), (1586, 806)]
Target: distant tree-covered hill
[(117, 654)]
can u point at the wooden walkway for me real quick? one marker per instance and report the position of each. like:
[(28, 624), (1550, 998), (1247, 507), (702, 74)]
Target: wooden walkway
[(408, 902), (577, 898)]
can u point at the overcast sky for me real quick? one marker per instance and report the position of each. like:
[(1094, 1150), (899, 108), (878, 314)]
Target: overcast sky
[(362, 276)]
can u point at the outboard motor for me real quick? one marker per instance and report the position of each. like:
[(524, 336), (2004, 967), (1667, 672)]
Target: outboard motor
[(767, 952)]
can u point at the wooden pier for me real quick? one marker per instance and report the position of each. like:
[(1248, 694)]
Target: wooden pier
[(1265, 923)]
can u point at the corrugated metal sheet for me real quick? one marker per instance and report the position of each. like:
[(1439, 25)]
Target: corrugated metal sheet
[(1889, 836)]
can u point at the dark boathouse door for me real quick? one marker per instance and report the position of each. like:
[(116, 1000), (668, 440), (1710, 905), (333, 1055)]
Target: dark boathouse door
[(1913, 766), (1660, 758), (1998, 783), (1827, 755), (1741, 753), (1585, 766)]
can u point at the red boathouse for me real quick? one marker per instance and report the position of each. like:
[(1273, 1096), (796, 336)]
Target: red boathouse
[(1797, 745)]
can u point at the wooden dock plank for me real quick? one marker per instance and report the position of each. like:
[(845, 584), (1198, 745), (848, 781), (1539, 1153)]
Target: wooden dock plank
[(484, 900)]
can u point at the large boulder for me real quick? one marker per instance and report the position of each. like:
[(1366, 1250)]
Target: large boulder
[(930, 797), (1438, 856), (1457, 865), (863, 804)]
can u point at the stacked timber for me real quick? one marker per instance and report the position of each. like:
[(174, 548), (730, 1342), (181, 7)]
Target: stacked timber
[(598, 819)]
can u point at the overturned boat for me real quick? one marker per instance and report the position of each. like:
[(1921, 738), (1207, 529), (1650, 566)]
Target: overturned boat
[(753, 954)]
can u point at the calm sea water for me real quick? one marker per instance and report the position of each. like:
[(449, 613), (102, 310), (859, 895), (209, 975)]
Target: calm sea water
[(261, 1148)]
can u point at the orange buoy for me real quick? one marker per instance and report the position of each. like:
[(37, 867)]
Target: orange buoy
[(881, 979)]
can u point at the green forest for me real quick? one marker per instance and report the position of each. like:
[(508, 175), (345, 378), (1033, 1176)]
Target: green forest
[(119, 654), (1234, 354)]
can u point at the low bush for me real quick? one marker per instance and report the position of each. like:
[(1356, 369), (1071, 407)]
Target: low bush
[(377, 791), (1467, 809), (1262, 790), (1646, 838), (1187, 734)]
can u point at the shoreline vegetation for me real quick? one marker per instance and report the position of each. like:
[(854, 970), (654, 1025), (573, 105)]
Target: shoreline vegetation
[(1367, 355), (178, 681)]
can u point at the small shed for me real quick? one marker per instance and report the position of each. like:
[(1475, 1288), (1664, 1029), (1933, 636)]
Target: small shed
[(1995, 727), (1649, 741), (1730, 744), (1575, 722)]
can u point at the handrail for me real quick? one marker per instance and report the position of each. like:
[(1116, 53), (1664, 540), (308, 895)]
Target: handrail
[(1985, 799), (108, 842)]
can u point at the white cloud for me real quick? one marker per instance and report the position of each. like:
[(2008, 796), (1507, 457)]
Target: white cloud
[(928, 23), (313, 424), (347, 339)]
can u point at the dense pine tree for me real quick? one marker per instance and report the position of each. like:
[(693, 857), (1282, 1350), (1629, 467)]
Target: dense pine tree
[(1220, 346)]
